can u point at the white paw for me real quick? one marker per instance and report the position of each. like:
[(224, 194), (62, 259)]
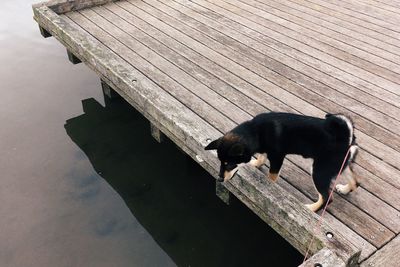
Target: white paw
[(310, 207), (343, 189), (229, 175), (254, 162)]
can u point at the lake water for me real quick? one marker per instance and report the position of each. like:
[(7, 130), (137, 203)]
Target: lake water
[(82, 184)]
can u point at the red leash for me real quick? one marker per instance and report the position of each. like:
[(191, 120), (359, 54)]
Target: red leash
[(326, 205)]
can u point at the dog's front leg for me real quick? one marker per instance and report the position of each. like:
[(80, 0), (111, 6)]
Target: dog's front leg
[(229, 174), (276, 162)]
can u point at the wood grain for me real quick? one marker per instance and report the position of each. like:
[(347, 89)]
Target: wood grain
[(387, 256)]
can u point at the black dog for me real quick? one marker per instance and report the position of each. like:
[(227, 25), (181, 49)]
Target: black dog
[(274, 135)]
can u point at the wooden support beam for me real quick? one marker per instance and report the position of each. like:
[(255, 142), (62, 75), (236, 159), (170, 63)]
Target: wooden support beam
[(222, 192), (108, 92), (44, 32), (156, 133), (72, 58)]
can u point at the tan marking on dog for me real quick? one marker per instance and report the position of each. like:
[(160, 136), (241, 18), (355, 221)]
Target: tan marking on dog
[(317, 205), (273, 176), (232, 137), (229, 174), (259, 161)]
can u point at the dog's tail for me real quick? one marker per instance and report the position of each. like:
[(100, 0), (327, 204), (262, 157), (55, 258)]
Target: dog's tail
[(341, 127)]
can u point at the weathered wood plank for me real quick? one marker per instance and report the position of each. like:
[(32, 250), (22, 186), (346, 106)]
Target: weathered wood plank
[(186, 96), (389, 255), (263, 44), (198, 53), (389, 6), (213, 98), (343, 48), (367, 10), (298, 41), (355, 14), (336, 26), (324, 258), (317, 5), (378, 187), (64, 6), (181, 56), (321, 79)]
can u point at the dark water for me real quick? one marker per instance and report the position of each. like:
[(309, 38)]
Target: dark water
[(85, 185)]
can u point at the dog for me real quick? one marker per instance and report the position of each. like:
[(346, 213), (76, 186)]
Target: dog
[(274, 135)]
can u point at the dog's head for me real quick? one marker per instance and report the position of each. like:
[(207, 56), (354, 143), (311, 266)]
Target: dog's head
[(232, 150)]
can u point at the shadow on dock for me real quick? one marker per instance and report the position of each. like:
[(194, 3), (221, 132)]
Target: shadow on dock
[(171, 196)]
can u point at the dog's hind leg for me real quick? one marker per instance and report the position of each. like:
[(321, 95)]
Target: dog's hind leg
[(276, 162), (351, 185), (354, 181), (259, 161), (322, 174), (316, 205)]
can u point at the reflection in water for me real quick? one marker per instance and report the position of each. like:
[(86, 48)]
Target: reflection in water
[(169, 194)]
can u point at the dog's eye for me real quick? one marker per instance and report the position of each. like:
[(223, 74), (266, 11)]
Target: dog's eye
[(225, 163)]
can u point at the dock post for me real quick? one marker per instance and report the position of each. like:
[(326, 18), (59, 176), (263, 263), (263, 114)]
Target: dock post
[(156, 133), (108, 91), (72, 58), (222, 192), (44, 32)]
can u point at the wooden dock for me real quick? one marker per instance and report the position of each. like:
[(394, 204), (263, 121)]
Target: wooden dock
[(197, 68)]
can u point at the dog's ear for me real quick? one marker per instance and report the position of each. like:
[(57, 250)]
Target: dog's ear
[(214, 144), (236, 150)]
